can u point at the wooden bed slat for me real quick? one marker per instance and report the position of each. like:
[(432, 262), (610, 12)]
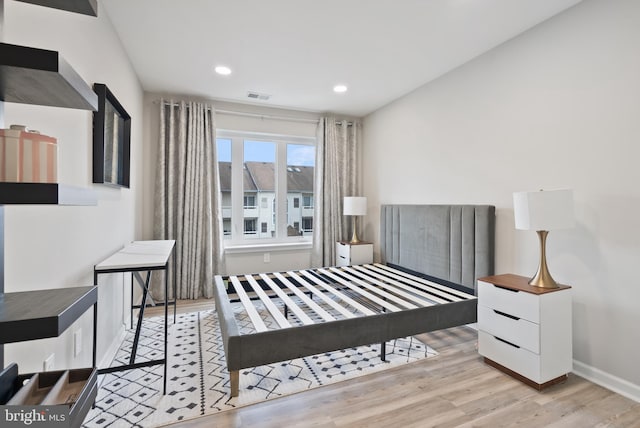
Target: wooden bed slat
[(273, 309), (406, 301), (321, 295), (360, 291), (307, 301), (371, 271), (449, 293), (293, 306), (337, 293), (408, 292), (258, 324)]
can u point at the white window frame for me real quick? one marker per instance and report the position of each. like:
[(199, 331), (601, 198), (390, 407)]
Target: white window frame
[(239, 241)]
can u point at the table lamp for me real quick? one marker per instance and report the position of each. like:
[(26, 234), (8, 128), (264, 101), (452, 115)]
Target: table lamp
[(355, 206), (543, 211)]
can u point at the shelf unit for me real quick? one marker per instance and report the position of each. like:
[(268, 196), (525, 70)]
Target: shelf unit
[(42, 77), (85, 7), (45, 194)]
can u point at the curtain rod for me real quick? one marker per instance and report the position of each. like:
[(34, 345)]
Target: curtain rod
[(266, 116), (258, 115)]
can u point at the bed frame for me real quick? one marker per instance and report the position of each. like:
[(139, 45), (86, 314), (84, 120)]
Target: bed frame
[(433, 255)]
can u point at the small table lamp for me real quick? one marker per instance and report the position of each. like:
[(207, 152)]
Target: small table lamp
[(543, 211), (355, 206)]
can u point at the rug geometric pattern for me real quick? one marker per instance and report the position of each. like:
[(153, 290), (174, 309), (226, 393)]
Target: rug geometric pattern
[(198, 381)]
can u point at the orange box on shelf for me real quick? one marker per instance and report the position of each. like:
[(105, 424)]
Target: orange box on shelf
[(27, 157)]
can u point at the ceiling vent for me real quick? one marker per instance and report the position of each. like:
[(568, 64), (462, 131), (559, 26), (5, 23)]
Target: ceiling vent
[(258, 96)]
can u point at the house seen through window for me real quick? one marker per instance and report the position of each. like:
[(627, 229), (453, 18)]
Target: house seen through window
[(266, 182)]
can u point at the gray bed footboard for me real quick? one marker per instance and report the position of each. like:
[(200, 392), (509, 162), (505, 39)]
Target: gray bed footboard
[(281, 345)]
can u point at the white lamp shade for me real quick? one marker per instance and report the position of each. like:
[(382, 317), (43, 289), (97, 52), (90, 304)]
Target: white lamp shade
[(544, 210), (355, 205)]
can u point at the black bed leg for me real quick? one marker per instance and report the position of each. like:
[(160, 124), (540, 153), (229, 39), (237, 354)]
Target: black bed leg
[(383, 351)]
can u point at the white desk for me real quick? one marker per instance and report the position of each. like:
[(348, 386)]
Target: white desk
[(136, 257)]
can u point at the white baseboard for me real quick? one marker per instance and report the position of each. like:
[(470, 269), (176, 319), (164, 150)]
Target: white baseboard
[(607, 380), (110, 354)]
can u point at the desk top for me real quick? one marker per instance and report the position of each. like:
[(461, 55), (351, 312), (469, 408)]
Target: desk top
[(137, 255)]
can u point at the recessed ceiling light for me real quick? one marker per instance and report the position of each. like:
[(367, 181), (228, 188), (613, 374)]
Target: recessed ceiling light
[(223, 70), (340, 88)]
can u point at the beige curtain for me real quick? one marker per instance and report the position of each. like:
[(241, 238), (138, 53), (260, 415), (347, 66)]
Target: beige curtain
[(337, 176), (187, 201)]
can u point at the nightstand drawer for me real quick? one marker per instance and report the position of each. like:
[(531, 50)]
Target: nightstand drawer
[(516, 303), (519, 360), (515, 330), (343, 250)]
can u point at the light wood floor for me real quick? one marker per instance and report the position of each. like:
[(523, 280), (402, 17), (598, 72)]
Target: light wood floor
[(454, 389)]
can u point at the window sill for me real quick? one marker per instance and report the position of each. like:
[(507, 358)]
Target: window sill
[(259, 248)]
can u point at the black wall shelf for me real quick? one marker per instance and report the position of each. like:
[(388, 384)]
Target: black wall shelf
[(39, 76), (45, 194), (85, 7), (40, 314)]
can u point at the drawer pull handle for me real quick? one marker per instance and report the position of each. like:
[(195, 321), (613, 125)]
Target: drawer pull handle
[(505, 288), (507, 342), (506, 315)]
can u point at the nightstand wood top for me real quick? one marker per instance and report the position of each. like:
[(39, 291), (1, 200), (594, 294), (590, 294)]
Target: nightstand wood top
[(519, 283)]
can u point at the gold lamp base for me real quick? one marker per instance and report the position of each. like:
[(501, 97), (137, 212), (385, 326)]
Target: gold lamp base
[(543, 278), (354, 237)]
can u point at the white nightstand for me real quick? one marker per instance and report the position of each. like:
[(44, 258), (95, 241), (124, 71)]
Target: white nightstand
[(353, 254), (525, 331)]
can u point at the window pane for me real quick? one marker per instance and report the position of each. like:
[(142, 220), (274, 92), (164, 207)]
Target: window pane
[(250, 226), (259, 185), (307, 224), (301, 160), (223, 146)]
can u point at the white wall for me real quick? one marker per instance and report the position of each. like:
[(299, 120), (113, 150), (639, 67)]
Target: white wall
[(238, 262), (558, 106), (57, 246)]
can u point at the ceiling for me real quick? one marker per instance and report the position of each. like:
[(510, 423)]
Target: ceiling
[(296, 51)]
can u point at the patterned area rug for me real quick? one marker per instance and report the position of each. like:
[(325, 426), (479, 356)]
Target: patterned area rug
[(198, 381)]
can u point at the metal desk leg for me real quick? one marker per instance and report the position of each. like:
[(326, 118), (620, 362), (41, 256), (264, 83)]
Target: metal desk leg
[(140, 316), (175, 285), (166, 324), (95, 333), (131, 308)]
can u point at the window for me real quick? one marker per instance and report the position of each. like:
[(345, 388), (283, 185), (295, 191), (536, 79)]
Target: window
[(266, 181), (223, 146), (250, 226), (307, 202), (307, 224), (226, 227), (249, 201)]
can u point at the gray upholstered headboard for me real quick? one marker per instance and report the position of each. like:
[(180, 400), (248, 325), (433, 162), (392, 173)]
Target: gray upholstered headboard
[(450, 242)]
